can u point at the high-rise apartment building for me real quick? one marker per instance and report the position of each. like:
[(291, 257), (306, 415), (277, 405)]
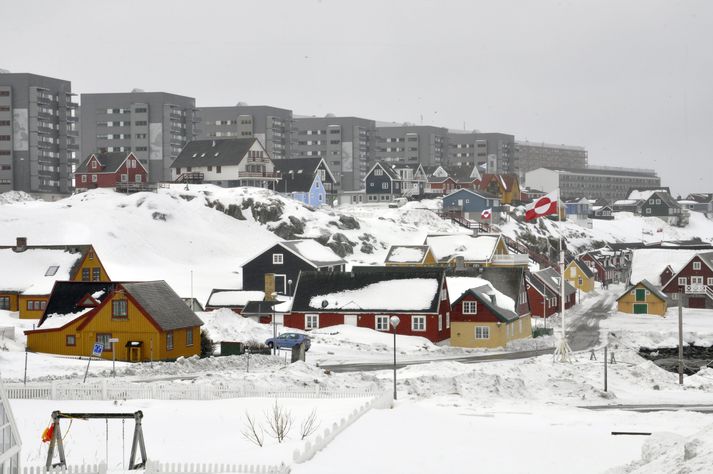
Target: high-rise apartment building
[(345, 143), (38, 134), (271, 125), (531, 155), (411, 144), (154, 126)]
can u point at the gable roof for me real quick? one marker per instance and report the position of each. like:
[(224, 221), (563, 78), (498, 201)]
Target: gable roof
[(505, 181), (291, 182), (473, 248), (407, 254), (540, 286), (230, 298), (583, 267), (388, 170), (647, 284), (480, 193), (110, 161), (463, 173), (665, 197), (313, 252), (162, 304), (489, 299), (370, 289), (38, 267), (65, 302), (214, 152), (308, 165), (552, 279)]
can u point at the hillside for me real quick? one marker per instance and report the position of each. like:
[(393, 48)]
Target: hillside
[(205, 229)]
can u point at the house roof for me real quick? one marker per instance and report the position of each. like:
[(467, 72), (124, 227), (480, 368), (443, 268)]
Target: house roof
[(462, 173), (259, 307), (314, 252), (648, 264), (702, 198), (231, 298), (163, 304), (505, 181), (540, 286), (301, 166), (388, 169), (507, 281), (483, 194), (649, 286), (489, 298), (407, 253), (110, 161), (585, 268), (370, 289), (214, 152), (552, 279), (64, 305), (297, 181), (473, 248), (38, 267)]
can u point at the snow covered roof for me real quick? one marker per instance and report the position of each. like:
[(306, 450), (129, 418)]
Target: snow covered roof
[(647, 264), (473, 248), (36, 269), (110, 162), (231, 298), (370, 289), (314, 252), (552, 279), (458, 286), (407, 253), (649, 286)]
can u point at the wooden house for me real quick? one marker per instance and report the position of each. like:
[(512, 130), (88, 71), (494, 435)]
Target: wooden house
[(35, 269), (693, 282), (551, 279), (505, 186), (107, 170), (234, 300), (543, 299), (150, 320), (466, 176), (470, 204), (660, 204), (440, 185), (490, 309), (368, 296), (642, 298), (599, 265), (410, 256), (382, 183), (579, 275), (467, 250), (308, 180), (227, 162), (285, 260)]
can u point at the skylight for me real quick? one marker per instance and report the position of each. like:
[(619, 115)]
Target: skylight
[(52, 270)]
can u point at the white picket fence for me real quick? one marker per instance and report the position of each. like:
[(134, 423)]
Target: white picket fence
[(109, 390), (310, 448), (154, 467)]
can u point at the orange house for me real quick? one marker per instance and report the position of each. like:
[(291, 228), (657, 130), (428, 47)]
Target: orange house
[(504, 186), (35, 269), (150, 321)]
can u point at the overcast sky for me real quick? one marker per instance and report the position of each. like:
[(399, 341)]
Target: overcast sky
[(632, 81)]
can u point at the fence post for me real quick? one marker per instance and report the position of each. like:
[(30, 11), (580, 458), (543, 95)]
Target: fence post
[(53, 390), (105, 395)]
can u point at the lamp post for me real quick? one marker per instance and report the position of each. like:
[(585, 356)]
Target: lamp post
[(394, 320), (114, 341)]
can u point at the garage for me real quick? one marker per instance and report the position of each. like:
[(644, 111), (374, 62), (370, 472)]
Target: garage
[(696, 302)]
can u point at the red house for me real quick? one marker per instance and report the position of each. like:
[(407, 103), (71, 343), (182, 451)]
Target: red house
[(551, 280), (603, 271), (543, 300), (694, 282), (106, 170), (440, 185), (368, 296)]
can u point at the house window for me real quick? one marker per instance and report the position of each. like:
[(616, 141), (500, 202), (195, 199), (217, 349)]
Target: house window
[(94, 178), (470, 307), (5, 302), (94, 165), (444, 294), (709, 281), (169, 340), (378, 172), (218, 169), (658, 201), (648, 210), (278, 259), (103, 339), (84, 178), (85, 274), (580, 281), (71, 340), (674, 296), (119, 309), (384, 185), (382, 323), (96, 274), (124, 178), (448, 320), (311, 321), (482, 332), (189, 337), (440, 322), (418, 323), (519, 328), (138, 178), (696, 265), (681, 281)]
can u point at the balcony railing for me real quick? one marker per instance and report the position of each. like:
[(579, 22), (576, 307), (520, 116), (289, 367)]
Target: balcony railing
[(257, 174), (697, 289), (515, 259)]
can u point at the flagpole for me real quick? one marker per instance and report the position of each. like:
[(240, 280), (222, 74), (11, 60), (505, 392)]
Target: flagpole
[(562, 350)]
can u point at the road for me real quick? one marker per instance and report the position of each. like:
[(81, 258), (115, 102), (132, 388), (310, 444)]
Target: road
[(583, 329), (371, 366), (702, 408)]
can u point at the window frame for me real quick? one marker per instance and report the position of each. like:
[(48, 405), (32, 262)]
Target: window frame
[(682, 281), (380, 318), (116, 303), (484, 333), (170, 344), (189, 337), (696, 265), (311, 321), (73, 338), (416, 322), (469, 303), (278, 259), (101, 337)]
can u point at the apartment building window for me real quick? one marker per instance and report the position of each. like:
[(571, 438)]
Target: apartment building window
[(4, 123), (141, 110), (140, 123), (4, 138)]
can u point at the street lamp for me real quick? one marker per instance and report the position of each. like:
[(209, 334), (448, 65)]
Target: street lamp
[(394, 320)]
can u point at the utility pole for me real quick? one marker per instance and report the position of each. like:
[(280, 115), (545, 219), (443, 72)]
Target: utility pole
[(680, 338), (605, 368)]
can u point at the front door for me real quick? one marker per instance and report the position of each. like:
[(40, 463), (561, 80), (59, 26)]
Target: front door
[(281, 284), (350, 319), (641, 308)]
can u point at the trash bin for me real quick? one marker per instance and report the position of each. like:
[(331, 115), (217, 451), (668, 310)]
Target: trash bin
[(228, 348)]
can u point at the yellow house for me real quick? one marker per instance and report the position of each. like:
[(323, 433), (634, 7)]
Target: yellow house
[(579, 275), (410, 256), (36, 268), (150, 321), (482, 250), (504, 186), (484, 317), (642, 298)]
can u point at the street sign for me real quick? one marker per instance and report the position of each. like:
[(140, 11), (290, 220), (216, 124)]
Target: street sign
[(98, 349)]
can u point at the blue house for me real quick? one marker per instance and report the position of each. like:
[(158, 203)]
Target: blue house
[(308, 180), (314, 196), (469, 204), (383, 183)]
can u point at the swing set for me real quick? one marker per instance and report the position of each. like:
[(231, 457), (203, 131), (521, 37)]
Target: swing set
[(54, 435)]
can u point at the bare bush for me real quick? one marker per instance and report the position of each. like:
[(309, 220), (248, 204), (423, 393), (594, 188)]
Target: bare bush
[(279, 422), (309, 425), (252, 431)]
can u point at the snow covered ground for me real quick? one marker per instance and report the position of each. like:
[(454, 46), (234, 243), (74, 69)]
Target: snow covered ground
[(644, 330)]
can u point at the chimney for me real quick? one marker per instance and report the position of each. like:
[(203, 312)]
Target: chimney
[(269, 286), (21, 244), (460, 262)]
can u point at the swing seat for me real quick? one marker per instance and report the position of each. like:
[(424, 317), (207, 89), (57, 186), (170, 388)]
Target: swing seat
[(47, 434)]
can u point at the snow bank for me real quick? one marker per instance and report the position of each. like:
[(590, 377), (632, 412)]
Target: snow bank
[(224, 325), (651, 331)]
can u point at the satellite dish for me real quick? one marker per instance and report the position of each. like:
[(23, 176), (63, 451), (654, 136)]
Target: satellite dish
[(325, 303)]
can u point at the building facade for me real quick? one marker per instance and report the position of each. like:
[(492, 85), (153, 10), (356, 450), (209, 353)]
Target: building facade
[(38, 134), (154, 126), (346, 144), (533, 155), (412, 144), (271, 125), (608, 183)]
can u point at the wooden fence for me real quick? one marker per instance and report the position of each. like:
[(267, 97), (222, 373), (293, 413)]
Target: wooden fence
[(155, 467)]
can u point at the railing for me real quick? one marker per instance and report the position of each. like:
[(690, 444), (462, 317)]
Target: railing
[(516, 259), (155, 467), (106, 390), (129, 187), (697, 289), (709, 292), (190, 177), (258, 174)]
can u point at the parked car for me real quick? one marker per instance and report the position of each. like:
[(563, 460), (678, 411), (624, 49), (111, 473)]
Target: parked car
[(288, 340)]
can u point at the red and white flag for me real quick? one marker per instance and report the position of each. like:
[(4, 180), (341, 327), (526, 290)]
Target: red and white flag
[(486, 214), (542, 206)]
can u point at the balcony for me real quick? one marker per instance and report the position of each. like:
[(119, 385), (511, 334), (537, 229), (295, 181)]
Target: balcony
[(511, 260), (698, 289), (258, 174)]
